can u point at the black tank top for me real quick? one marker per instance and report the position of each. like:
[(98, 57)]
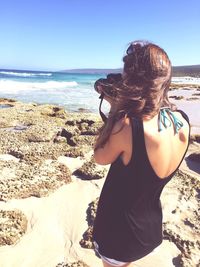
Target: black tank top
[(128, 222)]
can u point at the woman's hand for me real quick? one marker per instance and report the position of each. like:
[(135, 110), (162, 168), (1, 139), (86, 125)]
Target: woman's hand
[(108, 98)]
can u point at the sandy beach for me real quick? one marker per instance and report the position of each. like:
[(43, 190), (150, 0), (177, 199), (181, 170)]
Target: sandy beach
[(49, 188)]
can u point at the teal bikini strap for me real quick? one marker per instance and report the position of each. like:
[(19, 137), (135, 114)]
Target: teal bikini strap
[(166, 117), (163, 119), (176, 122)]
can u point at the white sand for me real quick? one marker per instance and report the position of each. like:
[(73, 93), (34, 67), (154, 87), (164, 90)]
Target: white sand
[(56, 224)]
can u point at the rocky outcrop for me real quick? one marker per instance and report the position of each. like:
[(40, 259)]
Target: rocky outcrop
[(35, 136), (91, 171), (13, 225), (21, 180)]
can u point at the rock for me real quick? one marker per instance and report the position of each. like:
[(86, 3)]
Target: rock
[(13, 225), (87, 240), (91, 212), (41, 133), (83, 132), (196, 94), (68, 135), (184, 86), (192, 98), (84, 140), (73, 264), (177, 97), (15, 153), (21, 180), (91, 171), (75, 152), (53, 111), (88, 127), (85, 126), (83, 110), (7, 101), (18, 145), (195, 138), (60, 139)]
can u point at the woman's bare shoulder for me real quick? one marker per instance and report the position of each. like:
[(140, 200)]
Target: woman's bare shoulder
[(116, 144)]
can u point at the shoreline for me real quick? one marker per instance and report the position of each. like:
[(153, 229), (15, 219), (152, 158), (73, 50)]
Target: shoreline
[(185, 97)]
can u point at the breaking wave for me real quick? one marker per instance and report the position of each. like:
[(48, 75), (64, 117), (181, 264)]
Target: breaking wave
[(25, 74), (186, 80), (10, 87)]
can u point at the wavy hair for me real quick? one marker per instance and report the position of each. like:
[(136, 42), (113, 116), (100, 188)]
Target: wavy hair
[(144, 86)]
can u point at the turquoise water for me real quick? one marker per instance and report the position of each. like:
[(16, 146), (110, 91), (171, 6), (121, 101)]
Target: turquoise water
[(71, 90)]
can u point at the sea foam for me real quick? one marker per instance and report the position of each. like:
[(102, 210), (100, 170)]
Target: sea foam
[(186, 80), (10, 87), (24, 74)]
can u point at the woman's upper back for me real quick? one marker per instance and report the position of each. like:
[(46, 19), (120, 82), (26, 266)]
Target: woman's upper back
[(165, 149)]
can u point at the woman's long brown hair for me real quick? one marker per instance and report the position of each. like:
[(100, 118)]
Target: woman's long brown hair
[(143, 89)]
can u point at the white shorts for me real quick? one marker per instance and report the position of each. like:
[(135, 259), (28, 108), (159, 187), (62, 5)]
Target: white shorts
[(108, 260)]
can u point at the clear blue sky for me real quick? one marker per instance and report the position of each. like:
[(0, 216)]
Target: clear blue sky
[(65, 34)]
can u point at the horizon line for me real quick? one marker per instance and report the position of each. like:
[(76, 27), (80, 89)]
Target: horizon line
[(83, 69)]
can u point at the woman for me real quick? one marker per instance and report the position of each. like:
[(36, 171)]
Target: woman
[(145, 139)]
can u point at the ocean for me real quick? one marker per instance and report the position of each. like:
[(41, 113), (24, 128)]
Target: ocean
[(73, 91)]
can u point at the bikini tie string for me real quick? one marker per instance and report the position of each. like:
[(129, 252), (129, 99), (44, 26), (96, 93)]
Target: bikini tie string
[(166, 117)]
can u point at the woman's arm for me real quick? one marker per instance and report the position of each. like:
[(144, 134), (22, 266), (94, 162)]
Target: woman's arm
[(115, 145)]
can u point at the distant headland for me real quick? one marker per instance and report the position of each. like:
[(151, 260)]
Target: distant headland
[(177, 71)]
